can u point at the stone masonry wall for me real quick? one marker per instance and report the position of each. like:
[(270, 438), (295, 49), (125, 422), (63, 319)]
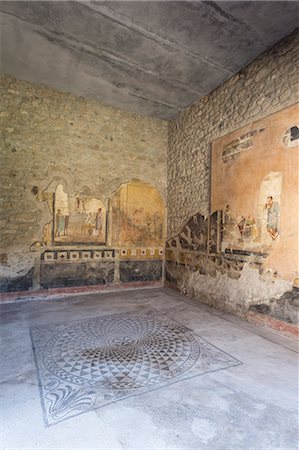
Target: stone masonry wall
[(51, 137), (268, 85)]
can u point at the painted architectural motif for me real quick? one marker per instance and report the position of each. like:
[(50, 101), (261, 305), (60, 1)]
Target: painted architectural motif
[(78, 218)]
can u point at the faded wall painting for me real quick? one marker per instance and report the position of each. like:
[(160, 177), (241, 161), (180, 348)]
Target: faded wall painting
[(137, 215), (269, 210), (254, 181), (78, 218)]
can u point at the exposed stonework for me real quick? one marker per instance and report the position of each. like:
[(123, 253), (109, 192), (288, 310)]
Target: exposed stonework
[(234, 281), (267, 85), (51, 137), (226, 293), (198, 260)]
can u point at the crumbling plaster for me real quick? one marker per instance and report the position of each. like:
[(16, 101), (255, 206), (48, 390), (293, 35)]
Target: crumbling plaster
[(234, 295)]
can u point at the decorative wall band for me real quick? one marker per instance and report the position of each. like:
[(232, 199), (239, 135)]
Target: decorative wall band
[(141, 252), (78, 255), (99, 254)]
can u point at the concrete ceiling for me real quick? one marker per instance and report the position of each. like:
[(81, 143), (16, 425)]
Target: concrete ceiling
[(153, 58)]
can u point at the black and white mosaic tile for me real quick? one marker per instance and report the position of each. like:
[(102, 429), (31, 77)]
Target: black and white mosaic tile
[(90, 363)]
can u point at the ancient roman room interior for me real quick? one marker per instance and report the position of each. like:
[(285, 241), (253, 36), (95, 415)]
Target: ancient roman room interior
[(149, 225)]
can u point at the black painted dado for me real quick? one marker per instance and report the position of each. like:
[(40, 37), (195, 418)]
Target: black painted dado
[(22, 283), (140, 270), (76, 274)]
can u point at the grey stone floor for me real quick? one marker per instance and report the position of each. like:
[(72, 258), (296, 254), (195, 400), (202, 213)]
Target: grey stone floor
[(252, 405)]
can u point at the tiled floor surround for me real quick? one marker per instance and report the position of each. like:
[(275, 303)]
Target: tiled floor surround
[(143, 369)]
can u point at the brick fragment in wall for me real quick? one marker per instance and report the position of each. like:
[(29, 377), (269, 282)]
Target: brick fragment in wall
[(267, 85)]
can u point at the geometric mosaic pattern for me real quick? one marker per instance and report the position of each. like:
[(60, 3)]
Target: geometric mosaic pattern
[(89, 363)]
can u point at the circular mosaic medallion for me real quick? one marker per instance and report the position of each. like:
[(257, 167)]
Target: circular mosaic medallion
[(121, 351)]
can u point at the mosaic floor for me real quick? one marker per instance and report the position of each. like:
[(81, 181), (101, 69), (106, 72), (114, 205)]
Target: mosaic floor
[(89, 363)]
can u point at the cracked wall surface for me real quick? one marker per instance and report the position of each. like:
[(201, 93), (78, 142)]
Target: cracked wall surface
[(52, 138)]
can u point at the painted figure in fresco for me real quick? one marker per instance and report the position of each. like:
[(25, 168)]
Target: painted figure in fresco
[(60, 223), (227, 217), (66, 224), (80, 205), (241, 224), (272, 217), (247, 228), (229, 226), (87, 226), (99, 222)]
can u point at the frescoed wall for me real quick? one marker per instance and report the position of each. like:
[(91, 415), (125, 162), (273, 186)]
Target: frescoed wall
[(63, 159), (78, 218), (138, 215), (258, 267), (244, 256), (75, 155), (254, 180), (266, 86), (89, 244)]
